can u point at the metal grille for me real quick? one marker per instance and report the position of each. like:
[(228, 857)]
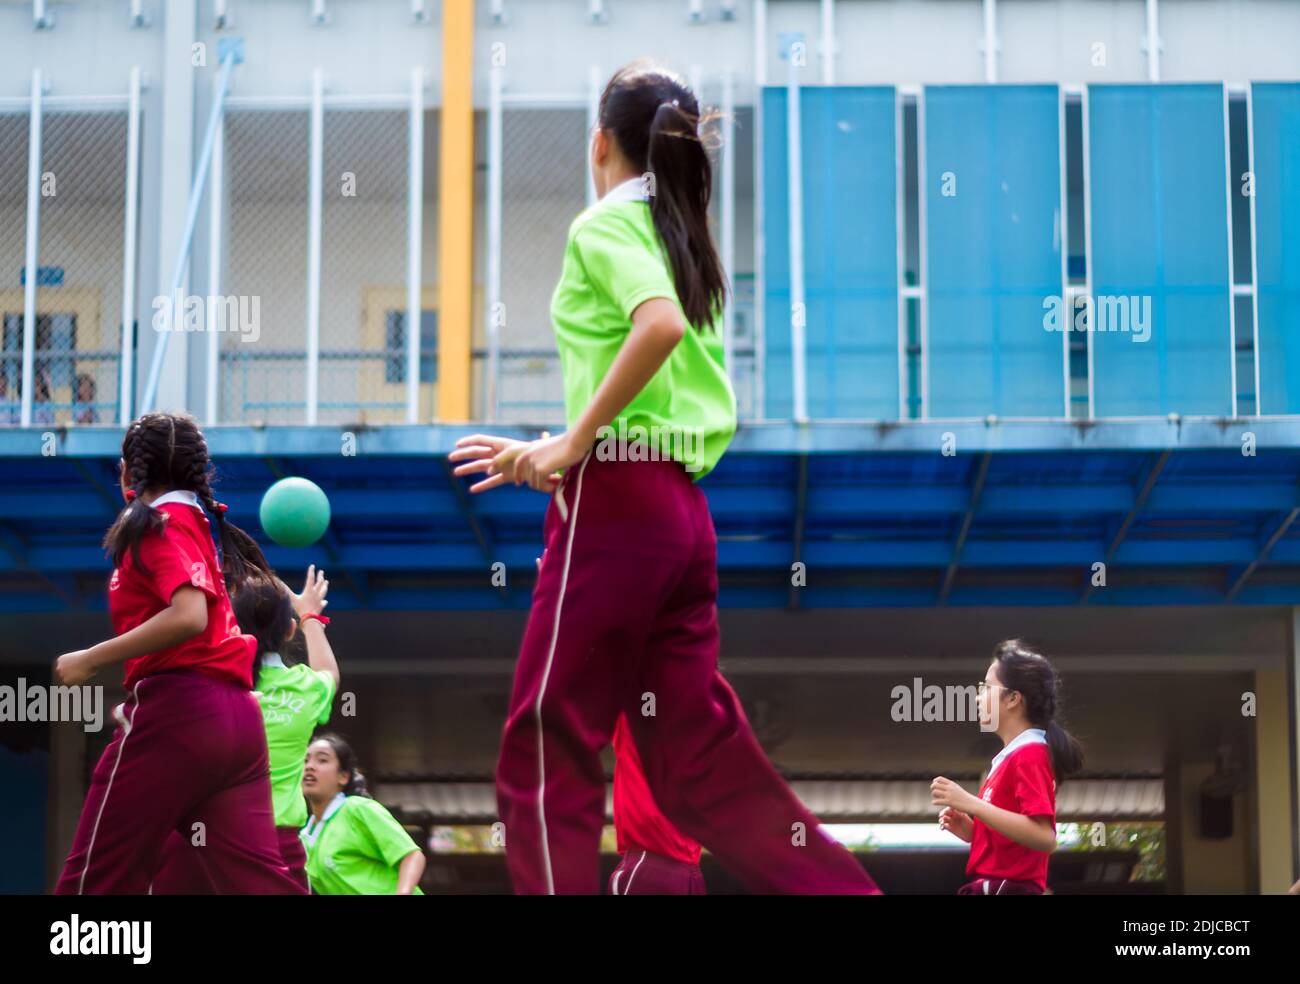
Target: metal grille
[(263, 373), (544, 187), (363, 270), (79, 267)]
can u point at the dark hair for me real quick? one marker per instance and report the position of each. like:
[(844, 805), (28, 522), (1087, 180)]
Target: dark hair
[(347, 762), (165, 451), (655, 119), (1030, 674), (264, 611)]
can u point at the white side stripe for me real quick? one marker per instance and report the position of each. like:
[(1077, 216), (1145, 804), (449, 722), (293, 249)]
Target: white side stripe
[(126, 733), (546, 673), (628, 890), (617, 875)]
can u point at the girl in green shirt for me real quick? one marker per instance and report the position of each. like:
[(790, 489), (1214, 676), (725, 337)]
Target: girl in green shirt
[(354, 846), (625, 606)]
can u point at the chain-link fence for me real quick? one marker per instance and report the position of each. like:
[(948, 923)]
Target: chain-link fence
[(78, 336), (543, 188), (363, 266), (363, 334), (263, 373)]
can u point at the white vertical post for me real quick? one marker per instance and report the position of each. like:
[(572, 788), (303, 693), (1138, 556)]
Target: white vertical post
[(414, 242), (315, 194), (1067, 296), (216, 190), (32, 258), (760, 240), (900, 253), (1232, 277), (494, 185), (1153, 41), (798, 309), (923, 251), (130, 231), (828, 42), (593, 119), (990, 41), (1085, 123), (1254, 267), (728, 219)]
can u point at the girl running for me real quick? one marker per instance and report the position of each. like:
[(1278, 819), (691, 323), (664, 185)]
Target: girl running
[(354, 846), (1011, 825), (189, 752), (294, 697), (626, 598)]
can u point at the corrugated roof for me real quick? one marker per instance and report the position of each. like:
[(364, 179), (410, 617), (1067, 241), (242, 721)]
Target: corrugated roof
[(833, 800)]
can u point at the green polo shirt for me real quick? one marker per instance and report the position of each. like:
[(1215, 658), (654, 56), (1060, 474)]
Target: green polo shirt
[(355, 849), (614, 261), (294, 700)]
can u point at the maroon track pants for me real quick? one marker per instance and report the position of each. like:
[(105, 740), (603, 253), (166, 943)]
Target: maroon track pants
[(643, 873), (624, 619), (189, 749), (184, 868)]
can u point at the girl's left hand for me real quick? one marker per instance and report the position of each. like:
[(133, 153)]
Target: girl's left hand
[(312, 600), (539, 462), (74, 668), (945, 792)]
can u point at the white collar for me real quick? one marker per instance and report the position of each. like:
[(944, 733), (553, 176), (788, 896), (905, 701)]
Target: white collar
[(313, 828), (273, 659), (184, 496), (1030, 736), (631, 190)]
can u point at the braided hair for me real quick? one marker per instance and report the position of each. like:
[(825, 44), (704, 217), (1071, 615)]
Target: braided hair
[(165, 451), (1028, 672)]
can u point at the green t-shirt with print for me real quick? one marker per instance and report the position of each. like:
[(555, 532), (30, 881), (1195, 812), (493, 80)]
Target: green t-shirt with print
[(356, 850), (294, 699)]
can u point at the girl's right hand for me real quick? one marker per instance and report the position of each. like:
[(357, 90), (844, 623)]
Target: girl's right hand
[(478, 451), (312, 599), (956, 823)]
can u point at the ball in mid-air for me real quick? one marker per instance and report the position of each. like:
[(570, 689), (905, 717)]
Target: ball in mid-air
[(295, 512)]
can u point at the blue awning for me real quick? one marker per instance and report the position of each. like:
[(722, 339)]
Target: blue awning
[(1019, 514)]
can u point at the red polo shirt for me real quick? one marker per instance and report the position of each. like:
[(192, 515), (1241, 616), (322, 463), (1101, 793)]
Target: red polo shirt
[(1023, 783), (180, 554), (638, 823)]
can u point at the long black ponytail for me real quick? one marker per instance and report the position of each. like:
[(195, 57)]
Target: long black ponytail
[(164, 451), (1028, 672), (656, 121)]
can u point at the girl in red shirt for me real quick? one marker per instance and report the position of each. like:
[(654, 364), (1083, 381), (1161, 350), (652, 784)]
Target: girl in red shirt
[(1011, 825), (189, 752)]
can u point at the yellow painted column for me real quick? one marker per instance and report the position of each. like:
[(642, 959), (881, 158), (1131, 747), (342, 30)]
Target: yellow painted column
[(456, 211)]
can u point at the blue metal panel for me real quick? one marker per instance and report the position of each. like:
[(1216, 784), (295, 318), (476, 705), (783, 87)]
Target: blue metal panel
[(882, 515), (993, 250), (1160, 247), (850, 252), (1276, 112)]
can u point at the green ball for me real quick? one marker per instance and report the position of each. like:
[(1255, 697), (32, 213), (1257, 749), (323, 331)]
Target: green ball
[(295, 512)]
